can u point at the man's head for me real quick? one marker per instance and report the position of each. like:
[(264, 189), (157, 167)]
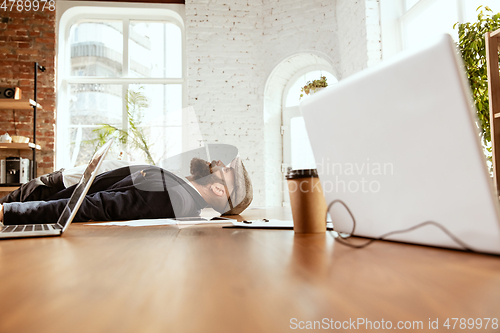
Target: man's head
[(216, 179), (227, 189)]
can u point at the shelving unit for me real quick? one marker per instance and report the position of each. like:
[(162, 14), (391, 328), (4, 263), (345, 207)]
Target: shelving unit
[(24, 104), (28, 104)]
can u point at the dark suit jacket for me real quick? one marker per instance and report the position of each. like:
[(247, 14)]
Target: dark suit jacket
[(135, 192)]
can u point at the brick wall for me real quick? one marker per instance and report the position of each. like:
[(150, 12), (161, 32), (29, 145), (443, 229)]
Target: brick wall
[(25, 38), (373, 32), (359, 34), (223, 42), (295, 26)]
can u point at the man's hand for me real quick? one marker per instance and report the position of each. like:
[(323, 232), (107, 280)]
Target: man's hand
[(1, 213)]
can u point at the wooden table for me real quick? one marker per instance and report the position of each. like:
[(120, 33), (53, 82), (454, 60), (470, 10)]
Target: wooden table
[(211, 279)]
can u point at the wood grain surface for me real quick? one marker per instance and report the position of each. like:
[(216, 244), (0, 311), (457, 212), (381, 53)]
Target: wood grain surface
[(206, 278), (492, 46)]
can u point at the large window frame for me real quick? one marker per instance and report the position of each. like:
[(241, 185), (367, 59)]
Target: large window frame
[(395, 16), (72, 12)]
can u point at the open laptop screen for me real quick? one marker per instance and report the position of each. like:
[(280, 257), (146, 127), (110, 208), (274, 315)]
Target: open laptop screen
[(82, 187)]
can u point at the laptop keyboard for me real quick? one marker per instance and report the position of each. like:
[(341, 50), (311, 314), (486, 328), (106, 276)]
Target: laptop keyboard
[(29, 227)]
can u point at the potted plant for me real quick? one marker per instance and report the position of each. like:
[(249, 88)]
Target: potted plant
[(313, 86), (473, 49)]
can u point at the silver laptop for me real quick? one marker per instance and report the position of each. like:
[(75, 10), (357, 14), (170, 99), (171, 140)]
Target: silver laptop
[(399, 145), (69, 212)]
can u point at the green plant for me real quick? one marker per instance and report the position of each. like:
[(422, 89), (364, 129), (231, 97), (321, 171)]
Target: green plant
[(134, 135), (313, 86), (473, 49)]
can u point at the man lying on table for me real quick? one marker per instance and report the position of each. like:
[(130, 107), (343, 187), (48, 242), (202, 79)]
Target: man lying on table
[(133, 192)]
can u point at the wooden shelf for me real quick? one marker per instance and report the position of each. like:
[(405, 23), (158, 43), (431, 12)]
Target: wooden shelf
[(18, 104), (20, 146), (8, 188), (25, 104)]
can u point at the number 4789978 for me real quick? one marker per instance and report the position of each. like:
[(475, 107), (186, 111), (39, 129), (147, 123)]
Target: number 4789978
[(28, 5), (471, 323)]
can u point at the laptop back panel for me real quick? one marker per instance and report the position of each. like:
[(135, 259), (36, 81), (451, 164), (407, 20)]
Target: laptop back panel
[(398, 144)]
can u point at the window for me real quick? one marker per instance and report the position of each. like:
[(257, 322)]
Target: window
[(297, 151), (113, 62), (412, 23)]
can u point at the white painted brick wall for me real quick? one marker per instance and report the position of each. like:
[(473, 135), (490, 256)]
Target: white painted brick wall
[(232, 47), (223, 40), (295, 26), (359, 34), (373, 32)]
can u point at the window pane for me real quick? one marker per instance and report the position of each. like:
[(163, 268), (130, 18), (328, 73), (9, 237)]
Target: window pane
[(410, 3), (155, 50), (159, 118), (293, 96), (96, 48), (471, 6), (80, 152), (155, 110), (302, 155), (93, 104), (435, 20), (90, 105)]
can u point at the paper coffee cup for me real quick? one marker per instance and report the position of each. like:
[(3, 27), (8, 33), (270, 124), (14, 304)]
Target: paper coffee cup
[(307, 201)]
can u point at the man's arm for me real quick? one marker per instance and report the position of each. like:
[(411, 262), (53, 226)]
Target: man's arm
[(32, 212), (1, 213)]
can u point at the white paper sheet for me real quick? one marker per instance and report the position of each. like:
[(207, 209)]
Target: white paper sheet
[(156, 222), (271, 223), (137, 223)]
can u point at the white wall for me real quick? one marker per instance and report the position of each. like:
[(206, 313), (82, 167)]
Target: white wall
[(224, 75), (359, 34), (232, 48)]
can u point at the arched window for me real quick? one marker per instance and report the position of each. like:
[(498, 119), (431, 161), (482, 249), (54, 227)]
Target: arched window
[(297, 151), (117, 63)]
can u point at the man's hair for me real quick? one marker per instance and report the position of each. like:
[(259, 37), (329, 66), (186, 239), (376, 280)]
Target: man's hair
[(201, 171)]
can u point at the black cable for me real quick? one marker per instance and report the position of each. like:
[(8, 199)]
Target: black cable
[(341, 240)]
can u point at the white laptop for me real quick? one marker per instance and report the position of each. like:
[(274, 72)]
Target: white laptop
[(398, 144), (69, 212)]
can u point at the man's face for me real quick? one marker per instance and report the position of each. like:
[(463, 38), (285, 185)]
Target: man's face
[(221, 192), (224, 173)]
